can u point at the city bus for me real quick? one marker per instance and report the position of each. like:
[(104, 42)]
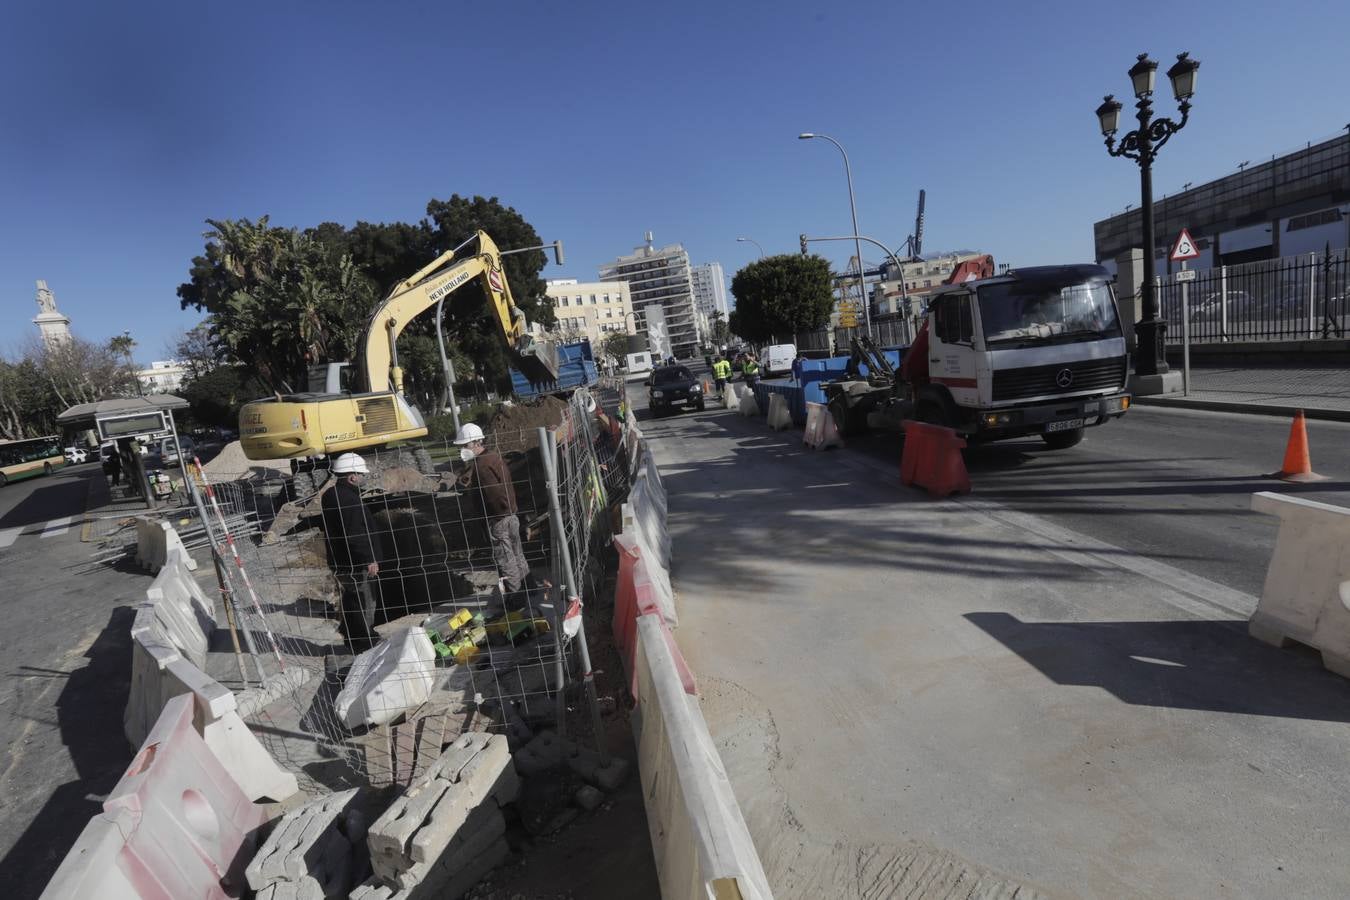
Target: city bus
[(26, 459)]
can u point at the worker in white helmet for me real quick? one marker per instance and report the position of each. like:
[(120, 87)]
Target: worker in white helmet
[(353, 550), (490, 480)]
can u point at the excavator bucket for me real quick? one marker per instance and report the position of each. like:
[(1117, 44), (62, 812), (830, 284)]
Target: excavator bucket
[(536, 360)]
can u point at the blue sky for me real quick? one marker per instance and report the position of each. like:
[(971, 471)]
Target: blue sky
[(127, 125)]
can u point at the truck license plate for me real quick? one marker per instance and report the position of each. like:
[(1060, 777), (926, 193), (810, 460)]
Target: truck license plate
[(1066, 425)]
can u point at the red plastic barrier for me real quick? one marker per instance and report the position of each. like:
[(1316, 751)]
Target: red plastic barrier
[(932, 460), (634, 596), (194, 827)]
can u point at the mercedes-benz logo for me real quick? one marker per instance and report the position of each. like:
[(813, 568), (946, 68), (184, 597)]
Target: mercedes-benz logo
[(1064, 378)]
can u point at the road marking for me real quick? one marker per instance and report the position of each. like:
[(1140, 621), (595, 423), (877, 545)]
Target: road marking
[(8, 535), (56, 527)]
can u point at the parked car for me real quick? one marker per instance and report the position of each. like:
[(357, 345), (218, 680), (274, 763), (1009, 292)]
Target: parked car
[(169, 451), (76, 455), (671, 387)]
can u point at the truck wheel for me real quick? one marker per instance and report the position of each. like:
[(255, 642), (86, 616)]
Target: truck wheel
[(1063, 440), (845, 424)]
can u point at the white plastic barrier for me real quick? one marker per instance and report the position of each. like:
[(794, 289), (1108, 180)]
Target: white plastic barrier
[(702, 847), (1307, 592), (730, 399), (182, 609), (176, 825), (820, 431), (749, 405), (649, 514), (779, 415), (395, 675), (166, 634), (155, 539)]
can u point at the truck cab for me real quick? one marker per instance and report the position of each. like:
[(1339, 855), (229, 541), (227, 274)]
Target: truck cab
[(1034, 351)]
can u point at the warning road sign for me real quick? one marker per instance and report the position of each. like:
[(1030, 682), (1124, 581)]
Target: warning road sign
[(495, 279), (1184, 248)]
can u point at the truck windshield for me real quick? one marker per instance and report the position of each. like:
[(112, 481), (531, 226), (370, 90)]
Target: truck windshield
[(1019, 312)]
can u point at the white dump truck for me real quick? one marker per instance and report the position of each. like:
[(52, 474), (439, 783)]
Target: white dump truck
[(1034, 351)]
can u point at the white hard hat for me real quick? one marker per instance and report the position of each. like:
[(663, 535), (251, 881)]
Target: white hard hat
[(468, 433), (348, 463)]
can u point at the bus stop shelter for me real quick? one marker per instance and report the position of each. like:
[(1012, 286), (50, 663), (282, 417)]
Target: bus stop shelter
[(123, 419)]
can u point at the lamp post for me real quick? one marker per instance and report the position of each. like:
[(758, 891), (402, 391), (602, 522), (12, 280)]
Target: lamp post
[(1142, 145), (853, 209), (755, 242)]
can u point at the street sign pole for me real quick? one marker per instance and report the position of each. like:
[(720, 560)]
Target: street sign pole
[(1185, 334), (1183, 250)]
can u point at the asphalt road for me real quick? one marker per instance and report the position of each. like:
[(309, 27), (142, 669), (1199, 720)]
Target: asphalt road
[(67, 661), (1028, 692), (1171, 485)]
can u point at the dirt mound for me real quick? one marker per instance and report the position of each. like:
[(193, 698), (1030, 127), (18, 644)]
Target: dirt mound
[(231, 464), (514, 427)]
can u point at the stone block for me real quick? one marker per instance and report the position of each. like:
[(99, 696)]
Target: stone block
[(546, 752), (307, 848)]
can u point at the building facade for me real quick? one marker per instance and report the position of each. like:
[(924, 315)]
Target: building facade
[(660, 277), (710, 290), (915, 280), (164, 376), (592, 310), (1289, 205)]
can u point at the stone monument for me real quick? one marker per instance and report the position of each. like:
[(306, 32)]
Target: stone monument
[(54, 326)]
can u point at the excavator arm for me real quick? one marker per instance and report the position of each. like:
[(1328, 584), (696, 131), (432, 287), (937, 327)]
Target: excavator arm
[(436, 281)]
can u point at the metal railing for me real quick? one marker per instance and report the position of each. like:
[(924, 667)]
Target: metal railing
[(1305, 297)]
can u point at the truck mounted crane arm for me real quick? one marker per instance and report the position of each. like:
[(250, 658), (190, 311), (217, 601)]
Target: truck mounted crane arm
[(435, 282)]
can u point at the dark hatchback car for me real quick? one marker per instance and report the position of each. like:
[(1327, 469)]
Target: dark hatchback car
[(673, 386)]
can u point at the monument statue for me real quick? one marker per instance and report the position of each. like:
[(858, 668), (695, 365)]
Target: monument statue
[(46, 301)]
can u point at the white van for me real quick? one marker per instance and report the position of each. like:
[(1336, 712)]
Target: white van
[(777, 360)]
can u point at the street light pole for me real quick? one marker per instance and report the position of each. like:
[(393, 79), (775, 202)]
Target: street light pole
[(853, 209), (755, 242), (1142, 146)]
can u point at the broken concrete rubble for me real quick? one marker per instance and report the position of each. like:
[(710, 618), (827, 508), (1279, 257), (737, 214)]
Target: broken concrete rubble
[(547, 752), (310, 850)]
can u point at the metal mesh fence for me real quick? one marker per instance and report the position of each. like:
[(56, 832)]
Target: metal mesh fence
[(1295, 298), (504, 643)]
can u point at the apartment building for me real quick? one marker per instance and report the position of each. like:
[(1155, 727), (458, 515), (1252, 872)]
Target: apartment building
[(660, 277), (592, 310)]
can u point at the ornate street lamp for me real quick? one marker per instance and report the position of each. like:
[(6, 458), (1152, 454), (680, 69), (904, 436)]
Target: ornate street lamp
[(1142, 145)]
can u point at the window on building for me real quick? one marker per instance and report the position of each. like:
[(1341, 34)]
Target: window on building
[(609, 313), (606, 298), (564, 301), (592, 299)]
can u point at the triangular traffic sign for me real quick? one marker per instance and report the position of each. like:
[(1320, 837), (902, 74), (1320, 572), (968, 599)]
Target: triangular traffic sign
[(1184, 248)]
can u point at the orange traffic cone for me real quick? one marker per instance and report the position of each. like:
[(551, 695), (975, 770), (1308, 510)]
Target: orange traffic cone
[(1297, 464)]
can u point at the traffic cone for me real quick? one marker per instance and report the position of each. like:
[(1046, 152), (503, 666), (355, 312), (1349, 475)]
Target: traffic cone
[(1297, 464)]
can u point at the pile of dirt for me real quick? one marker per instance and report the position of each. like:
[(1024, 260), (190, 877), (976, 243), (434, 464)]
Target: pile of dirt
[(231, 464), (515, 426)]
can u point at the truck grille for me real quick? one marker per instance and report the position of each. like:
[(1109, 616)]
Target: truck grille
[(379, 413), (1035, 381)]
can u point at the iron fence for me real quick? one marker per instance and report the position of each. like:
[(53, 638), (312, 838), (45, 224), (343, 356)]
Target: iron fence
[(887, 331), (1303, 297)]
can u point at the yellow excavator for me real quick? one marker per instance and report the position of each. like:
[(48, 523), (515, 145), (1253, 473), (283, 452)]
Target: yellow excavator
[(346, 410)]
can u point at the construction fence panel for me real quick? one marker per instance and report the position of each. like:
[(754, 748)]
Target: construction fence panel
[(499, 655)]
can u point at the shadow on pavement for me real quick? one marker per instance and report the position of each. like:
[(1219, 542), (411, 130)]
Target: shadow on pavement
[(89, 715), (63, 497), (1200, 665)]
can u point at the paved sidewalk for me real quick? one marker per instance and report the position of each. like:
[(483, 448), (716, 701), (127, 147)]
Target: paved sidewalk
[(1321, 392), (951, 699)]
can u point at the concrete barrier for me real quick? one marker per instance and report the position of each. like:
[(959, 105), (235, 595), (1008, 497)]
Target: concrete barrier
[(176, 825), (154, 540), (1307, 592), (699, 837), (310, 848), (780, 417), (820, 432)]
